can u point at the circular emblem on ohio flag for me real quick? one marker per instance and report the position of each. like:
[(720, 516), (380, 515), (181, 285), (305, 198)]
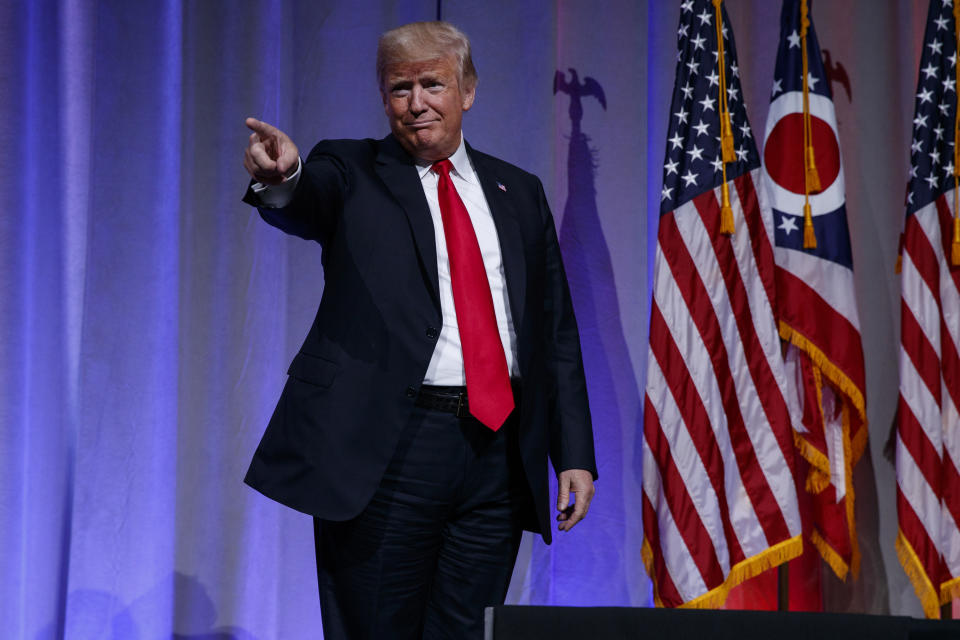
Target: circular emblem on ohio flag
[(787, 169), (783, 154)]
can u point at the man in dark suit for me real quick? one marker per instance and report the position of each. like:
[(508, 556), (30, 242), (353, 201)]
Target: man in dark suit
[(443, 364)]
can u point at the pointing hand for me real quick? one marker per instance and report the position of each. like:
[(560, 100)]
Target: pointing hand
[(271, 155)]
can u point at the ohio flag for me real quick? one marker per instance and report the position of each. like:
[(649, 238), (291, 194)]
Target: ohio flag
[(816, 306)]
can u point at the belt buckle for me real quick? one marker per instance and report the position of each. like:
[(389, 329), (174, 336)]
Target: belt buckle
[(463, 410)]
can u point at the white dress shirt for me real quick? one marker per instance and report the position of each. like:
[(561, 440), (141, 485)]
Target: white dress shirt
[(446, 364)]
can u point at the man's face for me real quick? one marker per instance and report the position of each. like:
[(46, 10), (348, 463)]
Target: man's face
[(424, 103)]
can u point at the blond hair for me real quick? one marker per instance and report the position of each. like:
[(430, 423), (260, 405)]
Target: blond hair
[(419, 41)]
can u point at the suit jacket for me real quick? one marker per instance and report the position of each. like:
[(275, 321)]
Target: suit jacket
[(352, 386)]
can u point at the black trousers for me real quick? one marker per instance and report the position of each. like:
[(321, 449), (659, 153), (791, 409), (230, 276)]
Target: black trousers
[(436, 544)]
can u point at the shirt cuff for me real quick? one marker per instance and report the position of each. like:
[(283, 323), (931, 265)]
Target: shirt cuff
[(277, 196)]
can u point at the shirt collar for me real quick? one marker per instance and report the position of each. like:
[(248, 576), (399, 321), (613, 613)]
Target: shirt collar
[(460, 161)]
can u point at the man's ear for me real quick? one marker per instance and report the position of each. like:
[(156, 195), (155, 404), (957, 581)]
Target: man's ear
[(468, 95)]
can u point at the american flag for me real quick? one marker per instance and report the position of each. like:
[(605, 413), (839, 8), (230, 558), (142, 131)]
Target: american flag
[(719, 501), (816, 305), (928, 426)]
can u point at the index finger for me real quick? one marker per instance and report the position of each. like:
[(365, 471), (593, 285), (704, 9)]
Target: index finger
[(261, 128)]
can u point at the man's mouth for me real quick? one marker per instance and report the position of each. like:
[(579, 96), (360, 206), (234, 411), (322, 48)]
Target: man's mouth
[(420, 125)]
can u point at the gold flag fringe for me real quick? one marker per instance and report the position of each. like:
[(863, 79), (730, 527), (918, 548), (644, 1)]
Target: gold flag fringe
[(833, 373), (774, 556), (839, 379), (829, 555), (647, 554), (816, 479), (850, 458), (819, 477), (950, 591), (852, 450), (926, 592)]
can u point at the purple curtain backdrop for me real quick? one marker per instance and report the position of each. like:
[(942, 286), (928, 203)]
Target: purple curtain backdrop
[(147, 316)]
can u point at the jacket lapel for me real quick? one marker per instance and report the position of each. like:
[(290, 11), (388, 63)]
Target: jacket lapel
[(505, 218), (398, 171)]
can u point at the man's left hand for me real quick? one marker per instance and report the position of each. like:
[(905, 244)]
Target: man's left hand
[(578, 482)]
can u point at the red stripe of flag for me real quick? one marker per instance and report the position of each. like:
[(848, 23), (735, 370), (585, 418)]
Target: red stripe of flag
[(759, 240), (919, 350), (950, 489), (917, 245), (924, 454)]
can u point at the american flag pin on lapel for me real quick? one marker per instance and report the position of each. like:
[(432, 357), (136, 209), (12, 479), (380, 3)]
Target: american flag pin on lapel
[(501, 186)]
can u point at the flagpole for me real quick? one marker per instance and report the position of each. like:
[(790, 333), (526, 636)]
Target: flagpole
[(783, 587)]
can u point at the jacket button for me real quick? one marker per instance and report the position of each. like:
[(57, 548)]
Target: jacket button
[(432, 333), (411, 392)]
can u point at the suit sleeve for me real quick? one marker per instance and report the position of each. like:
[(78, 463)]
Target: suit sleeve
[(317, 200), (571, 430)]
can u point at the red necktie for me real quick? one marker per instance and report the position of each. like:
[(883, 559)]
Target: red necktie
[(489, 395)]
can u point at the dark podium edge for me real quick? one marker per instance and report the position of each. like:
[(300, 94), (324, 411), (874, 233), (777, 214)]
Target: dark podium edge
[(512, 622)]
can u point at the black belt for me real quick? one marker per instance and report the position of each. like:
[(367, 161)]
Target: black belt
[(452, 399), (447, 399)]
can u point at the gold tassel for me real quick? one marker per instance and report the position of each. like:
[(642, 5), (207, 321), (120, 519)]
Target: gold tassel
[(809, 164), (726, 138), (812, 183), (726, 211), (813, 177), (955, 249), (809, 237), (726, 130)]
